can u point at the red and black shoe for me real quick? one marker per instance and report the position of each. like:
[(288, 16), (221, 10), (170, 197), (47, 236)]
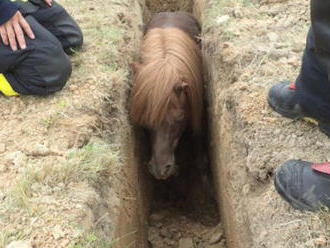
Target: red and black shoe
[(304, 185), (282, 97)]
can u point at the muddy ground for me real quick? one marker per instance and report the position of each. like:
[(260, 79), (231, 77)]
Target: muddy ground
[(69, 167)]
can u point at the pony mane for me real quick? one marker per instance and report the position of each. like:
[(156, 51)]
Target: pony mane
[(169, 56)]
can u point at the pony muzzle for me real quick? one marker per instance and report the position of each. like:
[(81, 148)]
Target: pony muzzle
[(163, 172)]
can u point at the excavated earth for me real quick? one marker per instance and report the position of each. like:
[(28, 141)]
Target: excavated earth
[(249, 46), (72, 168)]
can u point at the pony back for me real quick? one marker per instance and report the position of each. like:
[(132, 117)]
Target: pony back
[(169, 56)]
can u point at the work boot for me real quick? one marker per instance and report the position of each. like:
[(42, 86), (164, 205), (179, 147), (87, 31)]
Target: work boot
[(282, 97), (304, 185)]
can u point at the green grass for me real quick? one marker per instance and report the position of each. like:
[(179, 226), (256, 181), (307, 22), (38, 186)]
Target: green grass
[(4, 237), (100, 63), (217, 8), (49, 121), (88, 163), (92, 241)]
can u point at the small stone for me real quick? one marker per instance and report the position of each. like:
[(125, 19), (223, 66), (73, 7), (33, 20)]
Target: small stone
[(159, 224), (2, 196), (20, 244), (17, 159), (73, 87), (58, 233), (222, 19), (272, 36), (166, 233), (237, 13), (293, 61), (246, 189), (2, 148), (321, 241), (216, 237), (158, 216), (39, 150), (169, 242), (319, 144), (186, 243)]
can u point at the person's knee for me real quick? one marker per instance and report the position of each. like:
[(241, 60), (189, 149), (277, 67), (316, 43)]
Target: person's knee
[(69, 28), (58, 21), (62, 69), (47, 72), (56, 71)]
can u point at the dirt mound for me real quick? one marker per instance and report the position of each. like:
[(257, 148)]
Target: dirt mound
[(62, 157), (249, 46)]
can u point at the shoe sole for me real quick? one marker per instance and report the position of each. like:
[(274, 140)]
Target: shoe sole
[(293, 202), (297, 117)]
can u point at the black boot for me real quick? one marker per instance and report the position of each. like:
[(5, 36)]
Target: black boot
[(304, 185), (283, 99)]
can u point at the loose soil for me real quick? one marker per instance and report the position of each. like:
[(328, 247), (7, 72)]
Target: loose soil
[(249, 46), (184, 209), (63, 158)]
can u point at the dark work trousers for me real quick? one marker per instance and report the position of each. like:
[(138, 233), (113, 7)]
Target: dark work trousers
[(313, 85), (44, 66)]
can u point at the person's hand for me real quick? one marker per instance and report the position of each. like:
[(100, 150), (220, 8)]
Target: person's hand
[(48, 2), (12, 32)]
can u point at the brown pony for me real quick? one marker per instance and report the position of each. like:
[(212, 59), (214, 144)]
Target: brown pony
[(168, 90)]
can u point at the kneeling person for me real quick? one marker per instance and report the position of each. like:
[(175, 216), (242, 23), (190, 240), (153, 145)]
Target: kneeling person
[(36, 36)]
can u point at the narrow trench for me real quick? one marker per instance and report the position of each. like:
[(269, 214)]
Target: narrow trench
[(183, 209)]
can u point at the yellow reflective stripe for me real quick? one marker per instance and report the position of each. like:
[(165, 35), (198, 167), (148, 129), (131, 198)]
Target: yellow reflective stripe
[(308, 119), (5, 87)]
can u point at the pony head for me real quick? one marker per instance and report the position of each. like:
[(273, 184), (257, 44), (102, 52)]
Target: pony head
[(165, 137)]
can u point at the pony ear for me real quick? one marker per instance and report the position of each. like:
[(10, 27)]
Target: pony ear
[(135, 66), (180, 87)]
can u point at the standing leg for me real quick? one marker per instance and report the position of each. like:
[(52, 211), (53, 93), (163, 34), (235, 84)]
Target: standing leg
[(313, 86), (306, 186), (309, 96)]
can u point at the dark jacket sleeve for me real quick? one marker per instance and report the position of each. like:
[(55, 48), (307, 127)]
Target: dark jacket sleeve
[(7, 10), (320, 16)]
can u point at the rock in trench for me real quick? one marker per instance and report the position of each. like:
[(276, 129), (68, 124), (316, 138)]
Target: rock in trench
[(19, 244), (216, 237), (186, 243)]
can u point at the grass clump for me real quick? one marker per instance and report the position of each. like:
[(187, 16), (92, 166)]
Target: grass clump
[(92, 241), (217, 8), (88, 163), (4, 237)]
